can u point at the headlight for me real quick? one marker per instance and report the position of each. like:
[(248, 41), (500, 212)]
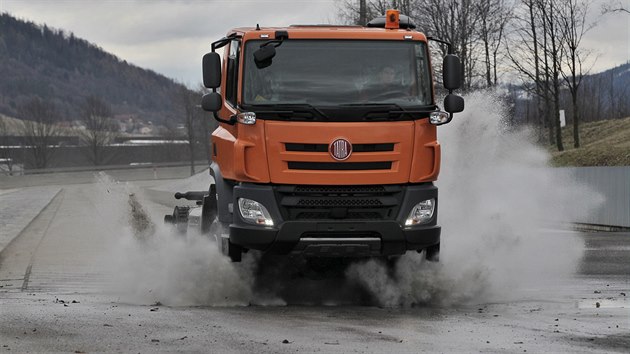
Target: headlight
[(254, 212), (248, 118), (439, 117), (421, 213)]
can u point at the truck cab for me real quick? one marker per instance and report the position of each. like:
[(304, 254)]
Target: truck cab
[(327, 144)]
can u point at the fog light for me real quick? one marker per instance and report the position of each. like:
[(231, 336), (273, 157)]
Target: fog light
[(439, 117), (421, 213), (254, 212)]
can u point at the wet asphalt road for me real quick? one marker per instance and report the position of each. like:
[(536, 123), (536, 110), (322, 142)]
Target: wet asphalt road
[(53, 298)]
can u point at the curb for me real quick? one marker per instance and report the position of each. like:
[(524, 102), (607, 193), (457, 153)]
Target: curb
[(30, 222)]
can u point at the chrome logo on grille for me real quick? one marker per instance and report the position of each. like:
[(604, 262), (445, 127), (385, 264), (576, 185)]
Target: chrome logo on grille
[(340, 149)]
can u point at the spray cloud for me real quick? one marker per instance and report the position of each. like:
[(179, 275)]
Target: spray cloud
[(498, 196)]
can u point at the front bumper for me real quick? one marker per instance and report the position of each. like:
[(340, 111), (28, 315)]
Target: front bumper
[(335, 237)]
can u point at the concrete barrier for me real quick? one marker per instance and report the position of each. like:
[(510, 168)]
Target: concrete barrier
[(613, 183)]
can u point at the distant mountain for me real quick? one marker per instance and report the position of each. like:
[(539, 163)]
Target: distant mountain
[(606, 95), (56, 66), (602, 96)]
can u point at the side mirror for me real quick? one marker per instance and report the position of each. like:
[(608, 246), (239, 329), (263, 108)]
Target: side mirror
[(211, 102), (263, 56), (451, 72), (453, 103), (211, 65)]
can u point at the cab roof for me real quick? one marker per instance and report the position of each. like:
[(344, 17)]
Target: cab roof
[(329, 32)]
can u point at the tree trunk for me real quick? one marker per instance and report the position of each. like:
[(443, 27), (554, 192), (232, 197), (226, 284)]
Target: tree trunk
[(192, 159), (539, 102), (362, 13), (556, 78), (576, 121)]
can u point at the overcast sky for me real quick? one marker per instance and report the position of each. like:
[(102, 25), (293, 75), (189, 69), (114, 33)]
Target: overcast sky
[(170, 37)]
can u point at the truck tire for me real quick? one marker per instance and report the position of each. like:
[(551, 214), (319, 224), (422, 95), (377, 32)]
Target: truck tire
[(209, 210), (235, 252), (432, 253)]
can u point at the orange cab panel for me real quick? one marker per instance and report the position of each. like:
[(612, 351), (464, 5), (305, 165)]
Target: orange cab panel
[(425, 165), (298, 152), (242, 158), (223, 151)]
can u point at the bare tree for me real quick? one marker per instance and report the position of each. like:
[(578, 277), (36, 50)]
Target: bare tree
[(526, 51), (188, 101), (360, 12), (40, 130), (615, 6), (538, 57), (573, 27), (454, 21), (493, 16), (100, 130), (555, 54), (208, 125)]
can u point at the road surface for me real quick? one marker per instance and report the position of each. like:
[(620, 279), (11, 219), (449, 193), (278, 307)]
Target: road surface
[(82, 277)]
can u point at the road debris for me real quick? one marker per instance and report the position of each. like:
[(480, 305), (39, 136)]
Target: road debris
[(142, 225)]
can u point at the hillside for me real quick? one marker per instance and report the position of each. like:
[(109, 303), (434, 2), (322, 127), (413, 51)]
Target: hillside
[(58, 67), (603, 143), (607, 93)]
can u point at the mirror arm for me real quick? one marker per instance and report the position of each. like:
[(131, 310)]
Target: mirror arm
[(448, 44), (220, 43), (280, 37), (231, 121)]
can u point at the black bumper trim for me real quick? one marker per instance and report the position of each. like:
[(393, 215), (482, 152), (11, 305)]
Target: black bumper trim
[(395, 240)]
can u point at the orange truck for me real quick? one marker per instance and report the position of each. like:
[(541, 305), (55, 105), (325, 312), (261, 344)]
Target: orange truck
[(327, 142)]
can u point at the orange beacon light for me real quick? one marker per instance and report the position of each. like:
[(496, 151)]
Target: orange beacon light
[(392, 19)]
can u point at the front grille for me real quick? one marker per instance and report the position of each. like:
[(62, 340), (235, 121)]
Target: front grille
[(367, 215), (321, 190), (339, 202), (340, 166)]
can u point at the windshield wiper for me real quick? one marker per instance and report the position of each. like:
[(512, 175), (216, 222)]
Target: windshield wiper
[(288, 108), (395, 108)]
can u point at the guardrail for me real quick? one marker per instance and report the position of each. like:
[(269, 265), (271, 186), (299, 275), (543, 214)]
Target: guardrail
[(198, 164)]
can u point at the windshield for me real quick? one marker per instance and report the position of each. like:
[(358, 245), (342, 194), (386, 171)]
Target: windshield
[(339, 72)]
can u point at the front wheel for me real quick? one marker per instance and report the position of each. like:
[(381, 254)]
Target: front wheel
[(432, 253), (212, 227), (209, 210)]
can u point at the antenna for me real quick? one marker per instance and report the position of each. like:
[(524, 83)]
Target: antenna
[(257, 27)]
